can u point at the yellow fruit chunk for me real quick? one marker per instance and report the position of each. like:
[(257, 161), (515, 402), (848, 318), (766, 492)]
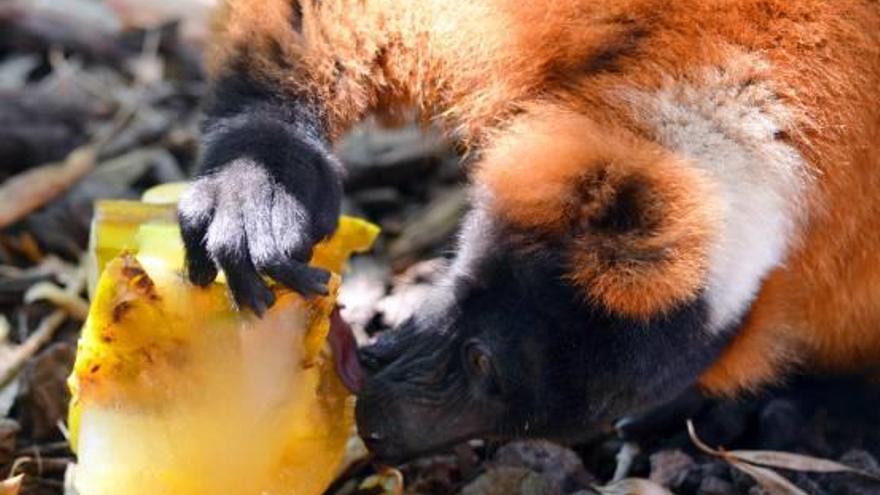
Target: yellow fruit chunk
[(177, 393)]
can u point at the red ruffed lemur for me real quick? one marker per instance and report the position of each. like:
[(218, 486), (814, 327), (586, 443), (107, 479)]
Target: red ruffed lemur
[(664, 194)]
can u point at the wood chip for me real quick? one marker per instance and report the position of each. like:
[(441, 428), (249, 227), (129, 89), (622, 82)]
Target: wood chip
[(34, 188)]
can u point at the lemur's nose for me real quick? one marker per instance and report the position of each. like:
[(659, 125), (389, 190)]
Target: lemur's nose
[(378, 355), (370, 361)]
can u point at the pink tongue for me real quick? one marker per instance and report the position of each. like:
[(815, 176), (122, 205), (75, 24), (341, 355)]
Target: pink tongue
[(345, 353)]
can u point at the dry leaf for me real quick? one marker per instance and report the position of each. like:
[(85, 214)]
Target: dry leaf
[(699, 443), (769, 479), (389, 481), (751, 462), (796, 462), (11, 486), (777, 459), (633, 486)]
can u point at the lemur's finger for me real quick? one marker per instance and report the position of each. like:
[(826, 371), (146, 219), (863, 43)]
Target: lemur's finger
[(195, 213), (255, 207), (247, 287), (302, 278), (290, 228), (227, 242)]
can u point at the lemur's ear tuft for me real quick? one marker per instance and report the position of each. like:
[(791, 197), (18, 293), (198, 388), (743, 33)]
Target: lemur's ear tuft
[(641, 247), (636, 222)]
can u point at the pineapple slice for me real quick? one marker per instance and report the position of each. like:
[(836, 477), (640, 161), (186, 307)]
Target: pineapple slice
[(175, 392)]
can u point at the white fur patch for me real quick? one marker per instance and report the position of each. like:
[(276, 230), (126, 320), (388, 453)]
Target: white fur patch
[(728, 120)]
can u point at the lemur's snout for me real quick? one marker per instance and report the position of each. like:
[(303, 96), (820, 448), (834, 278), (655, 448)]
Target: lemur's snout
[(373, 359)]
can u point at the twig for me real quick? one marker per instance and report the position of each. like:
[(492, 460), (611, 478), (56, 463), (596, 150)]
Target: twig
[(65, 432), (49, 266), (46, 448), (67, 298), (15, 272), (625, 458), (44, 465), (129, 107), (30, 190), (75, 305), (19, 355), (17, 464)]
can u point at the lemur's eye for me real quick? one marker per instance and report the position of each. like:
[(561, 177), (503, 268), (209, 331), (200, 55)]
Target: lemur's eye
[(479, 359)]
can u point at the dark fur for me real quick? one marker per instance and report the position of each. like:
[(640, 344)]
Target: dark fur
[(561, 365), (266, 226)]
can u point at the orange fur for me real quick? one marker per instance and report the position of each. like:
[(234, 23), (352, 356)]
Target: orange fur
[(489, 69), (556, 173)]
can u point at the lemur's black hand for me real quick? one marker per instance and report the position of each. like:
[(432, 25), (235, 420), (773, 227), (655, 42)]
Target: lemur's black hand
[(269, 193)]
